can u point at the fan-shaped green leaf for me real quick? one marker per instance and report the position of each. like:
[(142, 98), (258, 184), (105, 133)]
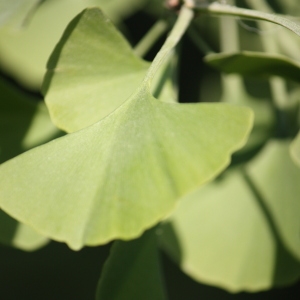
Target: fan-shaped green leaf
[(295, 149), (224, 234), (134, 268), (123, 174), (255, 64), (91, 72)]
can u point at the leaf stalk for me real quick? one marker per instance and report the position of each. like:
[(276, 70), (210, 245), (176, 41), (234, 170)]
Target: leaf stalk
[(155, 32), (182, 23)]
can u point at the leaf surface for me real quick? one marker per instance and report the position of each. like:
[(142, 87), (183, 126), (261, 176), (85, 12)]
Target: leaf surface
[(226, 233), (227, 218), (277, 179), (123, 174), (255, 64), (91, 72), (134, 268)]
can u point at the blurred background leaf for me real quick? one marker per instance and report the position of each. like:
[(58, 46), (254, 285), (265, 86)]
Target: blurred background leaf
[(29, 47), (24, 123), (255, 64), (241, 232), (133, 271)]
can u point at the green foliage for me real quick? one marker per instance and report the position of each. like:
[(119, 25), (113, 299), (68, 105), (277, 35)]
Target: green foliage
[(81, 85), (242, 213), (100, 166), (139, 168), (116, 195), (140, 276)]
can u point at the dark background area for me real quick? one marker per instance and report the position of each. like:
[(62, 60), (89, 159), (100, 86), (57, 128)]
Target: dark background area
[(57, 273)]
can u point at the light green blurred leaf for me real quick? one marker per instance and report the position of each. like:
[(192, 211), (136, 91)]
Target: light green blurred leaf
[(13, 233), (24, 123), (120, 9), (277, 179), (295, 149), (132, 271), (16, 11), (226, 234), (24, 52), (123, 174), (255, 64)]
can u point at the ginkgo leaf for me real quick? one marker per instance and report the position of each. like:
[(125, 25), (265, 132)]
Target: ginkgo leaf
[(255, 64), (122, 175), (295, 149), (133, 267), (224, 234), (91, 72)]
